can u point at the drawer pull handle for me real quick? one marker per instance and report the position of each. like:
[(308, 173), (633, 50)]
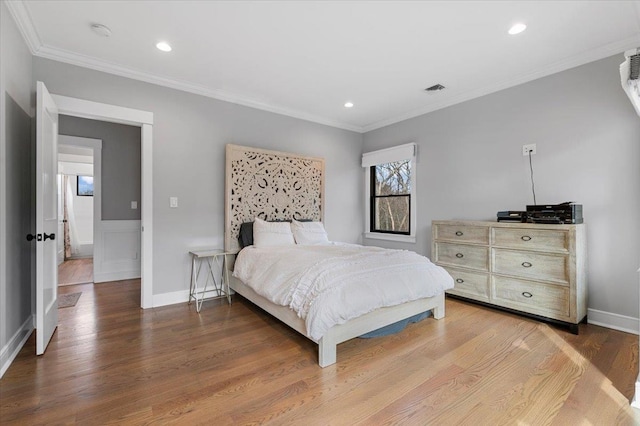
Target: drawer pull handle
[(459, 233), (527, 294), (527, 264), (459, 280), (459, 255), (526, 238)]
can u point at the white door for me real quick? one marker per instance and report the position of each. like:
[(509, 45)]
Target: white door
[(46, 218)]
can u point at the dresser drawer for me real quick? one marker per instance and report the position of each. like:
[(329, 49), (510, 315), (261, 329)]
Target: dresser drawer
[(474, 285), (474, 257), (535, 239), (526, 264), (532, 297), (462, 233)]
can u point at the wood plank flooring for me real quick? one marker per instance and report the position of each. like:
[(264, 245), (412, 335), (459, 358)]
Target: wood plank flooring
[(111, 362), (75, 271)]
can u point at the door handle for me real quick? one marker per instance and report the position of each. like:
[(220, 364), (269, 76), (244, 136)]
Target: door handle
[(38, 237)]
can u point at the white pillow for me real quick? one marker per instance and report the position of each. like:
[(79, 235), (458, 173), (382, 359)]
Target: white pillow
[(271, 234), (309, 233)]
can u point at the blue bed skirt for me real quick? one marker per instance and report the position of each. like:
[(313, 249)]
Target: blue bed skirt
[(396, 327)]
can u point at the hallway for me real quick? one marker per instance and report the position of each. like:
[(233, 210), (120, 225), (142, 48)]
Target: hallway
[(75, 271)]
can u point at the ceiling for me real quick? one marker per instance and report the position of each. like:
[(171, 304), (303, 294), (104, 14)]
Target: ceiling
[(307, 58)]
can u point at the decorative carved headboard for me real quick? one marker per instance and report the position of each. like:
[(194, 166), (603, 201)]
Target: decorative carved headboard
[(270, 185)]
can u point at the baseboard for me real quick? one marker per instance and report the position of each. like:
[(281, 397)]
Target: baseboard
[(635, 403), (116, 276), (84, 251), (175, 297), (11, 350), (172, 298), (614, 321)]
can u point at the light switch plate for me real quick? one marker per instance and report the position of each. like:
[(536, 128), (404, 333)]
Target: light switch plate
[(173, 202)]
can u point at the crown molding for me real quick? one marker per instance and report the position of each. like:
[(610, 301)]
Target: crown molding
[(22, 18), (572, 62), (73, 58)]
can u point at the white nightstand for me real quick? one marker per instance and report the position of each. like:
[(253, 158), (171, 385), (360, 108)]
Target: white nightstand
[(213, 259)]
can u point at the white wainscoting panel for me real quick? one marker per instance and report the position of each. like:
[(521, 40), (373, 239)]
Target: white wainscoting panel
[(117, 251)]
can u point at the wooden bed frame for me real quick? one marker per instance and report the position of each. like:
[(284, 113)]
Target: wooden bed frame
[(244, 201), (343, 332)]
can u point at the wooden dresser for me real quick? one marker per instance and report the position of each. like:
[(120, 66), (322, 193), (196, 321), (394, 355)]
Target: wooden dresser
[(535, 269)]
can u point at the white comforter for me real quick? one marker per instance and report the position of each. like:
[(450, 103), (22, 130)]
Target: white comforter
[(330, 284)]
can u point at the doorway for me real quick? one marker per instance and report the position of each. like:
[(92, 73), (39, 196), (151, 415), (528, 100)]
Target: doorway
[(114, 114)]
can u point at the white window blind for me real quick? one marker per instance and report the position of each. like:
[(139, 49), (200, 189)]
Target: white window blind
[(390, 155), (630, 86)]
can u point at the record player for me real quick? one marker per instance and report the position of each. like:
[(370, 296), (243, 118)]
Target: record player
[(566, 213)]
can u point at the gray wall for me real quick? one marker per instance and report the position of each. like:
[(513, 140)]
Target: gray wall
[(588, 143), (189, 137), (120, 163), (16, 186)]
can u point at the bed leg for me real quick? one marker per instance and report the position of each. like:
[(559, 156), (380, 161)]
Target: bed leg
[(326, 351), (438, 311)]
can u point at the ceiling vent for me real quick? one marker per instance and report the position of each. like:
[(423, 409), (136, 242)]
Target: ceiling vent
[(434, 88)]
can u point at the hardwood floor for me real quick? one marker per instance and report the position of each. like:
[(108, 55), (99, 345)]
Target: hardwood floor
[(75, 271), (112, 362)]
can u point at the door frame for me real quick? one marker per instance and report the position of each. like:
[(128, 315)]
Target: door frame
[(144, 119)]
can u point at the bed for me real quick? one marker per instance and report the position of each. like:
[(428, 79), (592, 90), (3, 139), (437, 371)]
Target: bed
[(273, 186)]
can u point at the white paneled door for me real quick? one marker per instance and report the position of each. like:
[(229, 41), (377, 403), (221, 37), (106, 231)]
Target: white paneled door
[(46, 218)]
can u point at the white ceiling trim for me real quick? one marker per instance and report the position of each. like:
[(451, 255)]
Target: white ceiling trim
[(572, 62), (24, 22)]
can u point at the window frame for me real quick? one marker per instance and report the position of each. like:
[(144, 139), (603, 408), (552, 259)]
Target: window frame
[(373, 197), (78, 194), (390, 155)]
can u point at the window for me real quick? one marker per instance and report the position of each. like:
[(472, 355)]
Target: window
[(390, 204), (390, 193), (85, 186)]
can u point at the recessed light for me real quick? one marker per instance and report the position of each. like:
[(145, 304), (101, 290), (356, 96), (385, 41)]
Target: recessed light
[(101, 30), (517, 28), (348, 105), (164, 46)]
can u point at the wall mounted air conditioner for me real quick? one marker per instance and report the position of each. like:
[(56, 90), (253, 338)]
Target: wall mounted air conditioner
[(629, 71)]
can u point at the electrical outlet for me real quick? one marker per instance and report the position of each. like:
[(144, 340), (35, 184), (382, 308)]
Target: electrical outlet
[(528, 148)]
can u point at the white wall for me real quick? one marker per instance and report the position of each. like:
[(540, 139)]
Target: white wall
[(189, 136), (82, 205), (588, 143), (83, 212), (83, 209)]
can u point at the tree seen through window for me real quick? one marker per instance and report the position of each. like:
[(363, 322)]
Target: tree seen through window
[(391, 197)]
